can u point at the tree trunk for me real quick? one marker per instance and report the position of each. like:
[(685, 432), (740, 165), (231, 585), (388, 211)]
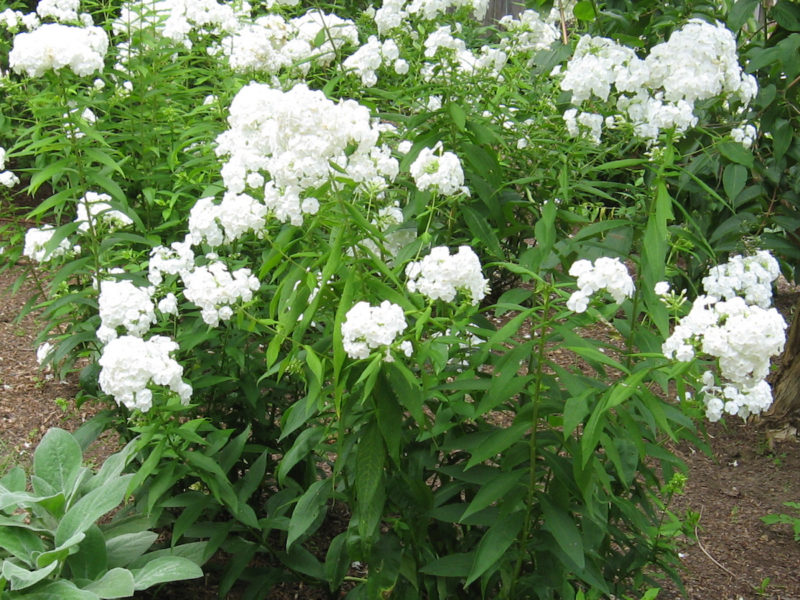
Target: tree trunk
[(785, 410)]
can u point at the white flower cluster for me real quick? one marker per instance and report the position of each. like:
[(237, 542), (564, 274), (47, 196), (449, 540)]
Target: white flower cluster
[(176, 19), (12, 19), (529, 34), (94, 205), (750, 277), (54, 46), (658, 93), (293, 137), (271, 43), (741, 333), (213, 288), (367, 327), (439, 171), (36, 240), (604, 274), (177, 259), (123, 304), (371, 56), (393, 14), (129, 364), (234, 216), (7, 178), (60, 10), (455, 58), (440, 275)]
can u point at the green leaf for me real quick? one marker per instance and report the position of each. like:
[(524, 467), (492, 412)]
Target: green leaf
[(736, 153), (370, 456), (458, 115), (57, 460), (165, 569), (563, 528), (481, 231), (61, 552), (116, 583), (452, 565), (307, 440), (575, 410), (19, 578), (20, 542), (493, 545), (787, 14), (782, 135), (493, 490), (124, 549), (734, 178), (307, 509), (61, 590), (91, 559), (741, 12), (584, 11), (91, 507)]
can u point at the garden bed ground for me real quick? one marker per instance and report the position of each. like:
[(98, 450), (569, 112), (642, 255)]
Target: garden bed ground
[(736, 554)]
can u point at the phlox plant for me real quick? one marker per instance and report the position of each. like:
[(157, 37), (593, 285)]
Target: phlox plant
[(372, 262)]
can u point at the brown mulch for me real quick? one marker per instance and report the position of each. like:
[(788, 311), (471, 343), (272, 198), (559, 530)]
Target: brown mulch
[(736, 555)]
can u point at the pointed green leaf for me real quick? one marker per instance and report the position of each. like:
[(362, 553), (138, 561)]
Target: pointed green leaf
[(164, 570), (90, 508), (116, 583), (307, 509), (494, 544), (57, 459), (563, 528)]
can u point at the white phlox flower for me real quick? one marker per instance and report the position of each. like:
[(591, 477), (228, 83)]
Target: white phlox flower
[(370, 57), (179, 258), (658, 93), (55, 46), (742, 333), (123, 304), (367, 328), (292, 138), (441, 275), (93, 205), (36, 240), (227, 221), (750, 277), (130, 364), (60, 10), (437, 170), (605, 273), (43, 351), (529, 34), (214, 289), (7, 178)]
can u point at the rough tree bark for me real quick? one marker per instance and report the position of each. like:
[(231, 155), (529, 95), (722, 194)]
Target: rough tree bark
[(785, 410)]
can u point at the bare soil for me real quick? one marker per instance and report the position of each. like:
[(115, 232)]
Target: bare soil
[(736, 556)]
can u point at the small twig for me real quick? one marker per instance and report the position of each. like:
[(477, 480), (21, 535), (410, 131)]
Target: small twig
[(719, 564)]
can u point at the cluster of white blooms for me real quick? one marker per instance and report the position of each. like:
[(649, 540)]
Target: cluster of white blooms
[(7, 178), (371, 56), (129, 364), (744, 135), (293, 138), (213, 288), (176, 19), (60, 10), (271, 43), (36, 240), (439, 171), (658, 93), (393, 14), (453, 55), (12, 19), (440, 275), (177, 259), (529, 34), (604, 274), (233, 217), (590, 124), (750, 277), (367, 327), (94, 205), (735, 325), (123, 304), (54, 46)]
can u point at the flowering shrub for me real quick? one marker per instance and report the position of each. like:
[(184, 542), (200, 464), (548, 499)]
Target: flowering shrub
[(317, 258)]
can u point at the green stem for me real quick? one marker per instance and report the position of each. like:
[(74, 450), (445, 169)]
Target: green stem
[(537, 357)]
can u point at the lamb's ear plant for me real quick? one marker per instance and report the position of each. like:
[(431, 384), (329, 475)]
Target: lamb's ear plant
[(57, 540)]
